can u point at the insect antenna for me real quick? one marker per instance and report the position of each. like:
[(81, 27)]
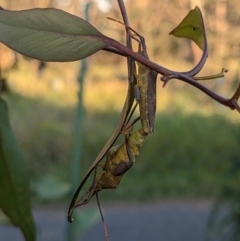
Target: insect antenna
[(141, 39)]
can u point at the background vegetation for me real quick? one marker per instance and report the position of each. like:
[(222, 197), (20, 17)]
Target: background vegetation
[(196, 140)]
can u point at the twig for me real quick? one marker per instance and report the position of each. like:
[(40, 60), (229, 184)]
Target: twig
[(169, 74)]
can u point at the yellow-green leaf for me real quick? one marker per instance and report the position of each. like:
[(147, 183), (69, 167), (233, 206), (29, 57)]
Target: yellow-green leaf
[(192, 27)]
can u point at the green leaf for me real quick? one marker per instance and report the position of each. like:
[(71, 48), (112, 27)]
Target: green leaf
[(51, 188), (14, 179), (49, 34), (192, 27), (85, 219)]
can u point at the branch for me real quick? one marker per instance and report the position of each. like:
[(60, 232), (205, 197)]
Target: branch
[(170, 74), (128, 39), (114, 50), (124, 13), (204, 44), (232, 103)]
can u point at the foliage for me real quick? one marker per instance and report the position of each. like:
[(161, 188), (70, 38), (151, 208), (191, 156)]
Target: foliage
[(199, 176), (191, 27), (182, 159), (14, 179), (49, 34), (54, 35), (224, 224)]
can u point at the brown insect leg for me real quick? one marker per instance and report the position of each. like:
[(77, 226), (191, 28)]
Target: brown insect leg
[(90, 193), (104, 225)]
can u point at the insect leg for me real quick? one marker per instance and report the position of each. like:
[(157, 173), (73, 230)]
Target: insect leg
[(132, 111), (129, 153), (103, 222), (79, 202)]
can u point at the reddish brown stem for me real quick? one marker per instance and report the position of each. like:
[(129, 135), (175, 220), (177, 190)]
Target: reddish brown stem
[(166, 72)]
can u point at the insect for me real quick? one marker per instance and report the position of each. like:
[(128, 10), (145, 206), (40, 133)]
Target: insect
[(145, 88), (120, 158), (145, 92), (114, 136)]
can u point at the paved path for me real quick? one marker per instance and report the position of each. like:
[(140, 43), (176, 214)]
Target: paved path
[(153, 222)]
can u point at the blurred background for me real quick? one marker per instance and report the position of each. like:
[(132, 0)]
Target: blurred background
[(193, 155)]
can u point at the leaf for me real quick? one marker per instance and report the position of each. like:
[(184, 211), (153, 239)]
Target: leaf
[(14, 179), (85, 219), (49, 34), (192, 27), (51, 188)]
